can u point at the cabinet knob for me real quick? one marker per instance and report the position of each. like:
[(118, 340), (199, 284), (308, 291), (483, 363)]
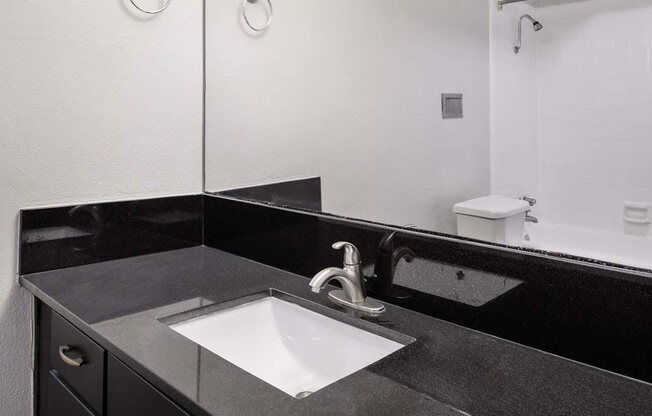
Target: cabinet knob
[(71, 357)]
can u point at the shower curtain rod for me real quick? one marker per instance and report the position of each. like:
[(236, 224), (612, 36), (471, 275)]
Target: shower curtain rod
[(501, 3)]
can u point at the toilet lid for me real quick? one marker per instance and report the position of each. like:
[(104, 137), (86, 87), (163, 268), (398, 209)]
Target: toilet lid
[(494, 207)]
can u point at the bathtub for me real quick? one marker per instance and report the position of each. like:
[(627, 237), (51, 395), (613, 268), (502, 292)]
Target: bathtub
[(596, 244)]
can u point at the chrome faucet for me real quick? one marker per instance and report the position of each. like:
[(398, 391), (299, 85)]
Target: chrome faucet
[(528, 217), (529, 200), (353, 293)]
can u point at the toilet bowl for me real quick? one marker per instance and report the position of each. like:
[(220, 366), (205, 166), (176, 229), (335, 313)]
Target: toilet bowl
[(494, 218)]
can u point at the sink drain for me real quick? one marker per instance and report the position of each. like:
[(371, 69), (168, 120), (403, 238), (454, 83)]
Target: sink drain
[(303, 394)]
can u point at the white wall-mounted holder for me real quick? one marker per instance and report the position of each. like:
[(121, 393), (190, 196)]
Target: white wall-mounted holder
[(637, 217)]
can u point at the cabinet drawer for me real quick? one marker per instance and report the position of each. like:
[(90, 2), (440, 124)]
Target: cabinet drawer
[(62, 401), (87, 379), (127, 394)]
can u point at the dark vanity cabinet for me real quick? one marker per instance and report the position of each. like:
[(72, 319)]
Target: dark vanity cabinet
[(77, 377), (77, 364), (129, 395)]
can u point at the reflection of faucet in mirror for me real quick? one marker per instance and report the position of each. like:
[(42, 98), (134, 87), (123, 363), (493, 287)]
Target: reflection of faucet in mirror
[(89, 219), (387, 258)]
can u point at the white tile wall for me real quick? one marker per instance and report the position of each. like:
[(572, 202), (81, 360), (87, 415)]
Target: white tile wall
[(593, 112)]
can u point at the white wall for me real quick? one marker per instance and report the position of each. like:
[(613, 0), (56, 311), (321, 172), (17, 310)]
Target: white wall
[(350, 91), (96, 102)]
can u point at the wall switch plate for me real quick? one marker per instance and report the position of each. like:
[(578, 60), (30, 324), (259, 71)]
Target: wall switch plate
[(452, 106)]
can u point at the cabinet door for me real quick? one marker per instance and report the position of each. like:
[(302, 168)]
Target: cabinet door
[(127, 394), (62, 401), (86, 378)]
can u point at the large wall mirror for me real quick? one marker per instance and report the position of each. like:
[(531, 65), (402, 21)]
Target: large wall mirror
[(436, 115)]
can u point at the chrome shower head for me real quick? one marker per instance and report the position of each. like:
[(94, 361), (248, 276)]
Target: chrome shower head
[(535, 24)]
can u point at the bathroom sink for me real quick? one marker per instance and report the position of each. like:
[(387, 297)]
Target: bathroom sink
[(289, 346)]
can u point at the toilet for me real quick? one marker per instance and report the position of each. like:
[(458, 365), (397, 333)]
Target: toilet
[(494, 218)]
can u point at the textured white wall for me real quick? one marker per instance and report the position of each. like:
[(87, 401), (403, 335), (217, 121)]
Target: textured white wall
[(96, 102), (350, 91)]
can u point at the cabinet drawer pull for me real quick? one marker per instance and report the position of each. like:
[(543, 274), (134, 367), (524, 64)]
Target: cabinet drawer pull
[(70, 357)]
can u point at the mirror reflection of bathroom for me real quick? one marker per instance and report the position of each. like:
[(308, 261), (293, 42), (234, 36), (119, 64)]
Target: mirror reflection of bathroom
[(423, 116)]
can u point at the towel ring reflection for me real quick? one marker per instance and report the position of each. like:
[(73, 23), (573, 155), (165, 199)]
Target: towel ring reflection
[(269, 16), (165, 6)]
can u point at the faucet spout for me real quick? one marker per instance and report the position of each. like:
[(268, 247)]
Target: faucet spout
[(321, 279), (530, 218), (346, 277)]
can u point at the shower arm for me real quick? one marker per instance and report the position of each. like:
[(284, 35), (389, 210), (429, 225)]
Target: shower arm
[(501, 3), (519, 35)]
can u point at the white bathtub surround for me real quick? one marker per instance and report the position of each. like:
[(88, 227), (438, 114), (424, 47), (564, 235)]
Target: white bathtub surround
[(605, 245), (595, 101), (97, 102), (571, 123)]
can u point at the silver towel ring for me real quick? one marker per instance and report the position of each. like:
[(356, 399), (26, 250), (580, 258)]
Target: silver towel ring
[(269, 16), (165, 6)]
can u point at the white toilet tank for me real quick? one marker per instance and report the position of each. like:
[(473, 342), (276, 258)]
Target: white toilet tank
[(492, 218)]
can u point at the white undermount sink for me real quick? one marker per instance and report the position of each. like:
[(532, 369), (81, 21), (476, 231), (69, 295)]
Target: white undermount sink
[(286, 345)]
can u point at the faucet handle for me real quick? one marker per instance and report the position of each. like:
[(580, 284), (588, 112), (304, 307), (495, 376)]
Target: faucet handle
[(351, 253)]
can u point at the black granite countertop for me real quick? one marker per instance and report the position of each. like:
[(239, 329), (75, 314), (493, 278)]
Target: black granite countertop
[(448, 370)]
